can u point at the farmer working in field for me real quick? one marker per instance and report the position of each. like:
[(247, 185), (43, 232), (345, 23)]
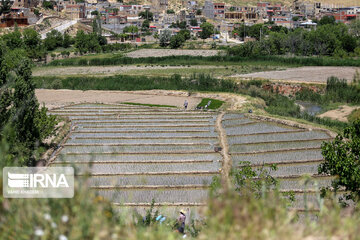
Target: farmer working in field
[(181, 221), (185, 104)]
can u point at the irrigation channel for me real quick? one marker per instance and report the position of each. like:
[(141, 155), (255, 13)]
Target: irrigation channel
[(134, 154)]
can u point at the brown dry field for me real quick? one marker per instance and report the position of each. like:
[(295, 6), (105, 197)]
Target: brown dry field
[(304, 74), (58, 98), (340, 113)]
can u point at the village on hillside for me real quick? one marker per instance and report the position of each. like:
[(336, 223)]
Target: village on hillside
[(132, 22)]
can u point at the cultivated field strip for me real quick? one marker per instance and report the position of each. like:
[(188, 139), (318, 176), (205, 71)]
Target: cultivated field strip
[(123, 157), (299, 183), (258, 127), (151, 180), (160, 195), (295, 152), (298, 155), (134, 154), (113, 168), (278, 137), (142, 141)]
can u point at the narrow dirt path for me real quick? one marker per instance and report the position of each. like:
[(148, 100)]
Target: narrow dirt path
[(224, 152)]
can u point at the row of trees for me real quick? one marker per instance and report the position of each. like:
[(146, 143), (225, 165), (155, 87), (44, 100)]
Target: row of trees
[(328, 39), (22, 124)]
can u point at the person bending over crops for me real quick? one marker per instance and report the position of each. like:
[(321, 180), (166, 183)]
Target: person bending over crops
[(181, 221)]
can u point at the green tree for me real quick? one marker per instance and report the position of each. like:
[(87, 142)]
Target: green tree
[(32, 44), (185, 33), (81, 42), (5, 7), (165, 37), (355, 28), (131, 30), (170, 11), (19, 108), (198, 12), (193, 22), (147, 15), (207, 30), (145, 26), (327, 20), (13, 40), (177, 41), (48, 5), (67, 40), (53, 40), (95, 13), (342, 159)]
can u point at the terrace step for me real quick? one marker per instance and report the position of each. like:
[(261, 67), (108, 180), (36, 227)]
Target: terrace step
[(204, 179), (160, 196), (277, 156), (123, 157), (116, 168), (278, 137), (275, 146), (135, 141), (259, 127)]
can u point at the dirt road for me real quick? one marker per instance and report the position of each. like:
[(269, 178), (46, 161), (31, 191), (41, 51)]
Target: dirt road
[(305, 74), (339, 114)]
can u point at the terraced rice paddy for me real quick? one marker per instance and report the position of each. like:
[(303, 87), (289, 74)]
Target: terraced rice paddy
[(133, 154), (296, 152)]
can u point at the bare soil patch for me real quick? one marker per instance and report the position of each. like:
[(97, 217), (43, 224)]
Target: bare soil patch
[(305, 74), (339, 114), (57, 98), (171, 52)]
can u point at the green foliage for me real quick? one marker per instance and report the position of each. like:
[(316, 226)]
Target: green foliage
[(21, 121), (181, 25), (342, 160), (165, 37), (147, 15), (32, 43), (207, 30), (148, 105), (193, 22), (53, 40), (145, 25), (5, 7), (215, 104), (328, 39), (88, 42), (170, 11), (95, 13), (177, 41), (354, 116), (48, 5), (327, 20), (258, 181), (200, 60), (13, 39)]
